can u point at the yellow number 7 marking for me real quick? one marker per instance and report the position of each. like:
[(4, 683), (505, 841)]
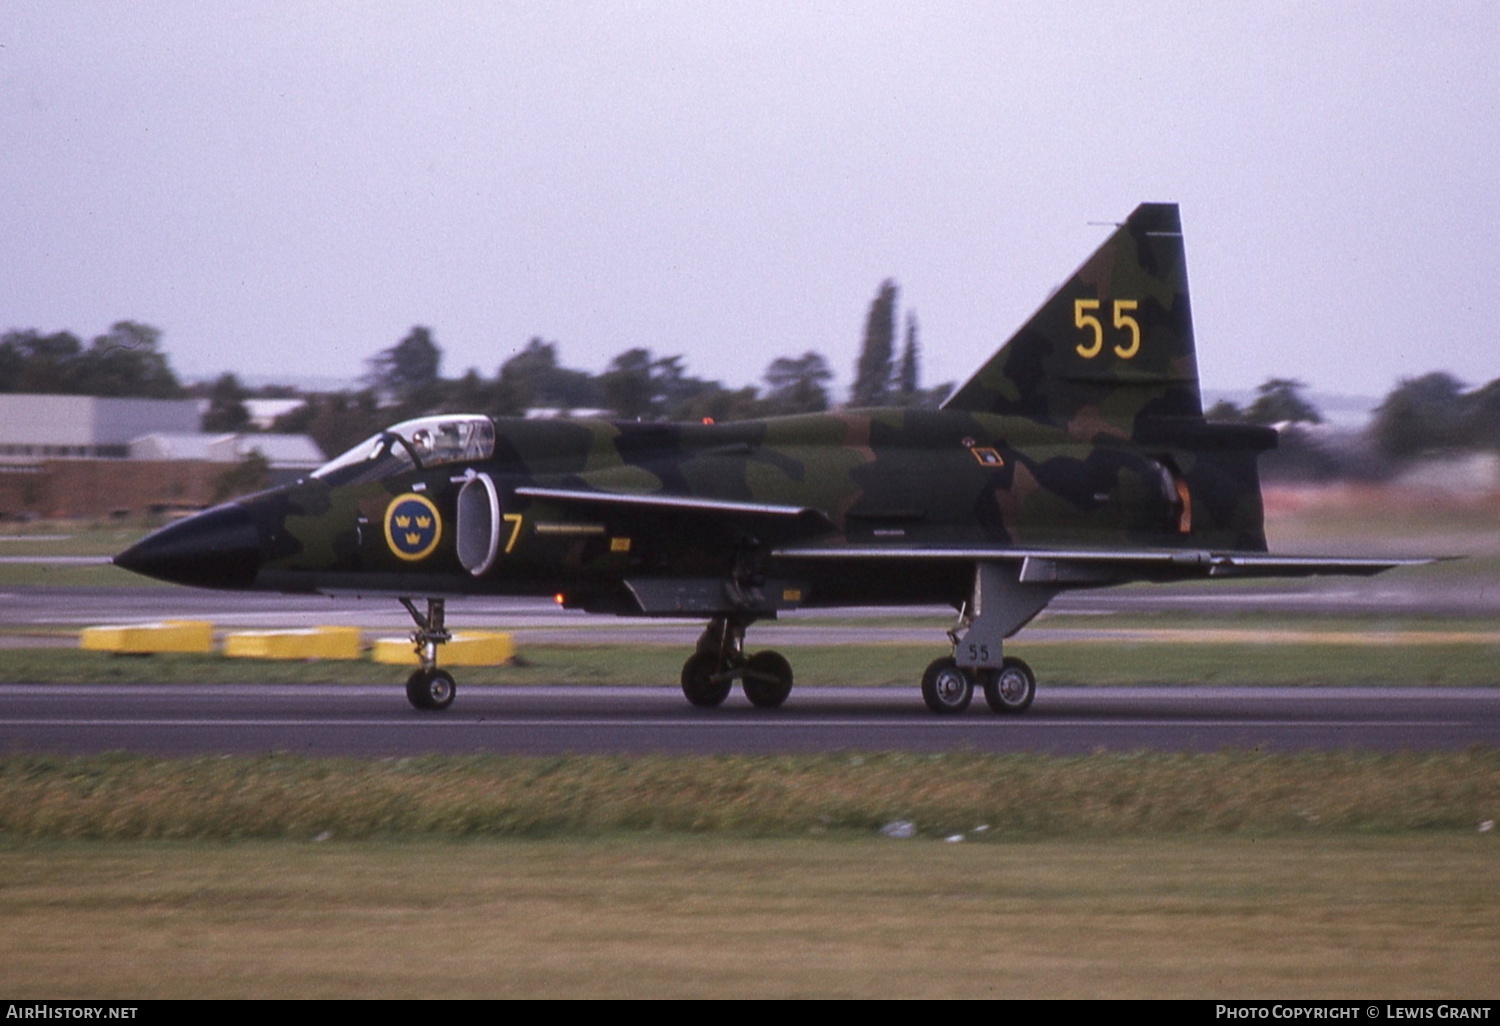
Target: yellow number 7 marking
[(514, 520)]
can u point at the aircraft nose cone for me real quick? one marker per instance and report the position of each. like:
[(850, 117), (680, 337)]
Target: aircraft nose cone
[(218, 548)]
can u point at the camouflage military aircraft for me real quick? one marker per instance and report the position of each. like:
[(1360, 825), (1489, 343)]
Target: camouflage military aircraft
[(1076, 457)]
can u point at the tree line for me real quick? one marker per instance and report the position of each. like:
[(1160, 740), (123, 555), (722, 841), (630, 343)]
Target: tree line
[(124, 361), (1432, 413), (406, 380), (1424, 416)]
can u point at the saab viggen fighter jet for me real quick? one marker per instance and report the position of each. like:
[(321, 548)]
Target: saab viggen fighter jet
[(1078, 456)]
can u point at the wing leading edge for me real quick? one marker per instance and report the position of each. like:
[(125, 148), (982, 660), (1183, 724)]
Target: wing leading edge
[(1082, 566)]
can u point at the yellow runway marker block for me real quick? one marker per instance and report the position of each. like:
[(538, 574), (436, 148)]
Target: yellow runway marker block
[(313, 643), (167, 636)]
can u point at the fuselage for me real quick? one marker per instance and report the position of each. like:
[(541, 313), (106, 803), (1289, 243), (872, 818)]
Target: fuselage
[(391, 522)]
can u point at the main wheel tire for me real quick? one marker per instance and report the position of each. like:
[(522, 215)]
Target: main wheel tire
[(701, 683), (947, 687), (767, 680), (1010, 689), (430, 690)]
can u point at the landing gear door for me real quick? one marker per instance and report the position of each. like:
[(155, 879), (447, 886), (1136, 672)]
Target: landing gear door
[(479, 524)]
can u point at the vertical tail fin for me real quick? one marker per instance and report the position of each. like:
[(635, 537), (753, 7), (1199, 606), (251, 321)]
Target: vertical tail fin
[(1113, 345)]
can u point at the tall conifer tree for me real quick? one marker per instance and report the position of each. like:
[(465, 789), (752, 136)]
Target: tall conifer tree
[(872, 378)]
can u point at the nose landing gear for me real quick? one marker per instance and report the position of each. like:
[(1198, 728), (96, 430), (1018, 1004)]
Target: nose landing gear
[(429, 688)]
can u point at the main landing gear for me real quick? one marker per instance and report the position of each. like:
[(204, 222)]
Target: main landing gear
[(1000, 605), (429, 688), (720, 660), (949, 688)]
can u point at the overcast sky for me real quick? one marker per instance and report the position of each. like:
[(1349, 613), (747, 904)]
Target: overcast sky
[(286, 188)]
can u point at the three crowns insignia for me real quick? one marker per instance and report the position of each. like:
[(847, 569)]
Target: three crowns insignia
[(412, 532)]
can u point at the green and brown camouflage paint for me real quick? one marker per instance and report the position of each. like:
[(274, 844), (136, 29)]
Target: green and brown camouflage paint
[(1084, 432)]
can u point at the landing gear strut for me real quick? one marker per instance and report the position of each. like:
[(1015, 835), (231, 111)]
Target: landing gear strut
[(1001, 605), (720, 660), (429, 688)]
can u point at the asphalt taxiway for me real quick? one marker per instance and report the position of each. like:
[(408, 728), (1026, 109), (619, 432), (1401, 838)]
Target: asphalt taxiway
[(376, 721)]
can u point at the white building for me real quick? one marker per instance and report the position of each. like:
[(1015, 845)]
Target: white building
[(283, 452), (60, 426)]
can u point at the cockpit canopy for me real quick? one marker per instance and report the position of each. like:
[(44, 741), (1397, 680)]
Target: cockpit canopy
[(413, 444)]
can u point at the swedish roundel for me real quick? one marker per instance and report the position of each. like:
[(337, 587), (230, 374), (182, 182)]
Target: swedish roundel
[(412, 526)]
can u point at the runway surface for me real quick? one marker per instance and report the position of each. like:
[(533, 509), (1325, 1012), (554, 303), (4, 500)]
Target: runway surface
[(376, 721)]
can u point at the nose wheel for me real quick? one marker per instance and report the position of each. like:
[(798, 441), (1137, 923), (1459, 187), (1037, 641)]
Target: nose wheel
[(430, 690)]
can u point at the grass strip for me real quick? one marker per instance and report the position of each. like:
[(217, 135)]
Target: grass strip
[(71, 575), (127, 797), (69, 538), (1365, 918)]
